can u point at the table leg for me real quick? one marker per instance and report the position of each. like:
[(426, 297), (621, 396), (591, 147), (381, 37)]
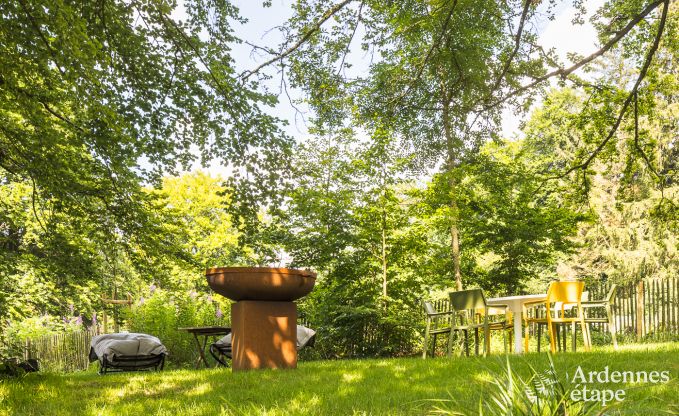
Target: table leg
[(518, 333), (195, 338), (201, 351)]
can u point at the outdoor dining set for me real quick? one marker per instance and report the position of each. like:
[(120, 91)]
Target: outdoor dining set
[(564, 304)]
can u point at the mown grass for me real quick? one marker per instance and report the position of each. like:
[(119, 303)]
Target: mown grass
[(365, 387)]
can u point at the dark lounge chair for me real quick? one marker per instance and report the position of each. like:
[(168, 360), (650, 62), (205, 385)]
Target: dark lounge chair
[(221, 350)]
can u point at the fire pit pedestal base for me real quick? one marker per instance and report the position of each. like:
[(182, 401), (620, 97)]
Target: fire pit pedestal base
[(264, 334)]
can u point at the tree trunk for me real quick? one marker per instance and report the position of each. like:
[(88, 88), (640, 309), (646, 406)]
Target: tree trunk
[(454, 216), (384, 263), (455, 246), (384, 241)]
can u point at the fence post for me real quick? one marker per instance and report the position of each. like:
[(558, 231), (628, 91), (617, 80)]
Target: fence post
[(640, 310)]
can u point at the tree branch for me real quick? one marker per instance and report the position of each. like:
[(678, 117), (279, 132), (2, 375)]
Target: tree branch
[(6, 167), (313, 29), (188, 41), (51, 110), (429, 53), (517, 45), (284, 88), (630, 96), (351, 38), (564, 72), (44, 40), (636, 140), (260, 48), (35, 211), (168, 21)]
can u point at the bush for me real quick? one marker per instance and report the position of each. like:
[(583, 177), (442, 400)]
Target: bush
[(365, 331), (162, 313)]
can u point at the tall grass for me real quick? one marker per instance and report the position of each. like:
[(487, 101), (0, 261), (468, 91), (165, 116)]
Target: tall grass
[(542, 393)]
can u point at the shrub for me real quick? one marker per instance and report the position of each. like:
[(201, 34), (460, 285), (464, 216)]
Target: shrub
[(365, 331), (162, 313)]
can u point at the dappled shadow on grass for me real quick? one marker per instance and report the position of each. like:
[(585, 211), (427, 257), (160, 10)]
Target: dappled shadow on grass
[(316, 388), (383, 386), (379, 386)]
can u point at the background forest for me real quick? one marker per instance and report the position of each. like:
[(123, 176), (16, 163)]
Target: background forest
[(405, 189)]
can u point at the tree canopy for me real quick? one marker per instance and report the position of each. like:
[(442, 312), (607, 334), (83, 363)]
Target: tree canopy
[(99, 98), (442, 72)]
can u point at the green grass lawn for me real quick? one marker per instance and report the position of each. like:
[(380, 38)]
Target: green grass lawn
[(370, 387)]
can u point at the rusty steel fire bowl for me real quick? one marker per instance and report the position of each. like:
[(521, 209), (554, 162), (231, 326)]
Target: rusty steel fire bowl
[(260, 283)]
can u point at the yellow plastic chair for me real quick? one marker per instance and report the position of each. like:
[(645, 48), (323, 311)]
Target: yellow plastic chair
[(559, 295)]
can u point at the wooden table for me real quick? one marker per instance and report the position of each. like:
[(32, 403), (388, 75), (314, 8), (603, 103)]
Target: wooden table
[(515, 304), (205, 332)]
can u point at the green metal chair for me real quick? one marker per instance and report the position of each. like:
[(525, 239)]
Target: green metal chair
[(608, 303), (471, 312), (436, 323)]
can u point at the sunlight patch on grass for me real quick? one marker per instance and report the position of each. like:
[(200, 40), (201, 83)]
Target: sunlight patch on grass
[(384, 363), (102, 408), (189, 409), (47, 391), (115, 393), (399, 370), (352, 377), (200, 389), (4, 397), (484, 377), (642, 347), (303, 405)]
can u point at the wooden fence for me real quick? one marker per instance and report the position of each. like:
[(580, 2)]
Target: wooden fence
[(61, 352), (649, 308)]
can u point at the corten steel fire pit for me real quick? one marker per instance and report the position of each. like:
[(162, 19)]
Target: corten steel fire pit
[(264, 318)]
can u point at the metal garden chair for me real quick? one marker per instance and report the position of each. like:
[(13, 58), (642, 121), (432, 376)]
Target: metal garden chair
[(436, 323), (561, 330), (608, 303), (471, 312)]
